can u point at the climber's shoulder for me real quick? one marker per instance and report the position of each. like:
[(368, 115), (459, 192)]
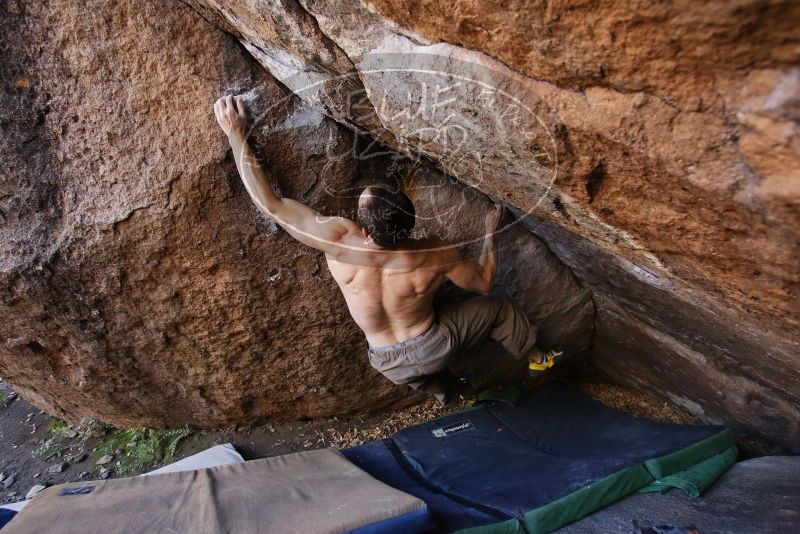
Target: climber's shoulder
[(437, 252)]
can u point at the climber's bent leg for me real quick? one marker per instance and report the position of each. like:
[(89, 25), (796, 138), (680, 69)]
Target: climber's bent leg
[(490, 316)]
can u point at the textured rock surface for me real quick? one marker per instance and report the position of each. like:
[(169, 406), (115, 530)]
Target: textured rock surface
[(137, 283), (664, 144)]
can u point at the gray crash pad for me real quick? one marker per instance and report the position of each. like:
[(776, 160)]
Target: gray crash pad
[(759, 495), (310, 492)]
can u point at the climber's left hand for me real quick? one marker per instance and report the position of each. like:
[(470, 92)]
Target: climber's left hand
[(231, 116), (494, 218)]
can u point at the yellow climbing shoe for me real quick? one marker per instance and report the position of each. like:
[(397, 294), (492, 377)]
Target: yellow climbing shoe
[(548, 361)]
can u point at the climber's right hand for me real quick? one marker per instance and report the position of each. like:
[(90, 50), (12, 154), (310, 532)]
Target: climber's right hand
[(231, 116)]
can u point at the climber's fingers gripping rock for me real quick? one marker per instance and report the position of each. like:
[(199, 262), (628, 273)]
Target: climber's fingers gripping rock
[(495, 218), (231, 115)]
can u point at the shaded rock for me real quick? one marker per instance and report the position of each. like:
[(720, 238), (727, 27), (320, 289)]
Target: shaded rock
[(693, 363), (92, 428), (8, 482), (57, 468)]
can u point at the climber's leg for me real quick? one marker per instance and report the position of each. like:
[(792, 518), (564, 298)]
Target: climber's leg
[(497, 317), (490, 316)]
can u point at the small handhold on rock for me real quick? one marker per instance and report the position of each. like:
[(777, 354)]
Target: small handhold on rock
[(7, 483), (57, 468), (78, 458), (104, 473), (34, 490), (69, 433), (105, 459)]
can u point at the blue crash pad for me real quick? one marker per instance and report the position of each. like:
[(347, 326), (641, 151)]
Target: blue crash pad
[(496, 463)]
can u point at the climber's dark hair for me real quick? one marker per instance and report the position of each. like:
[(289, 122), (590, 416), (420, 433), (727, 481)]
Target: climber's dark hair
[(387, 215)]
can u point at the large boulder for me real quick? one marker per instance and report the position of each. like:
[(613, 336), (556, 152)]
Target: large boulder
[(138, 284), (654, 148)]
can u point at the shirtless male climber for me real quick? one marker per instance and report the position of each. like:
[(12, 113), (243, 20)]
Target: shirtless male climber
[(389, 279)]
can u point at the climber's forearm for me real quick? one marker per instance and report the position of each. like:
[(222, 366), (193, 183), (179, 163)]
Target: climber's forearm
[(488, 260), (254, 176)]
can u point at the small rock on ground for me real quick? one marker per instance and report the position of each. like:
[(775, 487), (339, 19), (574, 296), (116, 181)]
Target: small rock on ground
[(34, 490), (57, 468)]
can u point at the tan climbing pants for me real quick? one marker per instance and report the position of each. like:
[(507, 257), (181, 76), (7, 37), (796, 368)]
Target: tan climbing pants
[(419, 362)]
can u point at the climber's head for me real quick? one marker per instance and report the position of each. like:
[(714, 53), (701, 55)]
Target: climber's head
[(387, 215)]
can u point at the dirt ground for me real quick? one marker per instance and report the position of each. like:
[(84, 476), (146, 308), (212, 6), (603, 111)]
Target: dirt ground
[(38, 449)]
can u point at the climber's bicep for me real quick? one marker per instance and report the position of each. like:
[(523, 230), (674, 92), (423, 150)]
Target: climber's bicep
[(310, 227)]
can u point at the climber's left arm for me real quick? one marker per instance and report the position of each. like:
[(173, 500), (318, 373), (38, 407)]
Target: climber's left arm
[(301, 222)]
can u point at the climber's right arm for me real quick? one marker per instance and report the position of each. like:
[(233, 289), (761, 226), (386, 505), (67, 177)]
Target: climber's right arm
[(477, 276), (301, 222), (232, 118)]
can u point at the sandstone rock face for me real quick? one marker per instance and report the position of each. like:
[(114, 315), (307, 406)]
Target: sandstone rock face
[(138, 285), (654, 148)]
